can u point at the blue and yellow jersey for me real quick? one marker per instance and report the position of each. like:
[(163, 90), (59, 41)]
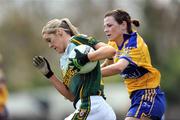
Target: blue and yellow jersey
[(139, 74)]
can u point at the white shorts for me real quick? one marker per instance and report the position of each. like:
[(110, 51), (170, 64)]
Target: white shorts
[(99, 110)]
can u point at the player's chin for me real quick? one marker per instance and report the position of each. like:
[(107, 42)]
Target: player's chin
[(58, 51), (109, 38)]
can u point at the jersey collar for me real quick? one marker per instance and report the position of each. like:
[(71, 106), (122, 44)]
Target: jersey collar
[(126, 37)]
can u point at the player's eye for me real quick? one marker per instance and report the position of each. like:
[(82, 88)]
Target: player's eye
[(48, 40), (109, 25)]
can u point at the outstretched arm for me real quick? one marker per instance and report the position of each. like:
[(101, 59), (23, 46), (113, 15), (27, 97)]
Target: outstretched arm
[(107, 62), (115, 68), (103, 51)]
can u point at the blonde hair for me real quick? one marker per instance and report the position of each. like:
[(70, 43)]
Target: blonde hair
[(55, 24)]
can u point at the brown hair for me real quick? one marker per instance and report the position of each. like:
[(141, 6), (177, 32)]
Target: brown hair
[(120, 16), (55, 24)]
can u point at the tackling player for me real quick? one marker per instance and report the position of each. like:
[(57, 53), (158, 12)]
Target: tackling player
[(132, 61)]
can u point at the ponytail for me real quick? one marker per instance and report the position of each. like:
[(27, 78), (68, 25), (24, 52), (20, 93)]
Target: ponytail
[(72, 28), (135, 23)]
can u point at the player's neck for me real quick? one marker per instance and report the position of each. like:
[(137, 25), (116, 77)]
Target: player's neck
[(119, 40)]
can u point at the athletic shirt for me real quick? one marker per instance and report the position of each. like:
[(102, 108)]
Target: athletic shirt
[(81, 85), (139, 74)]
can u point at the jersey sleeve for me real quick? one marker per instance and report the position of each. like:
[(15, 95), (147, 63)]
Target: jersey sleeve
[(131, 54), (83, 39), (132, 50), (134, 53)]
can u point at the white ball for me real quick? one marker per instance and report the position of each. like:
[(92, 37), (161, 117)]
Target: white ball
[(88, 67)]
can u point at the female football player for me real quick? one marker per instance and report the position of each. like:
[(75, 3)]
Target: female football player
[(132, 61), (84, 90)]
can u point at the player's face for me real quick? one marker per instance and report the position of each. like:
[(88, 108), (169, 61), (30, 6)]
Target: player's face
[(55, 42), (112, 29)]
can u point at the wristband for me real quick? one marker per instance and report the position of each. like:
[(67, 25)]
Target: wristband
[(49, 74)]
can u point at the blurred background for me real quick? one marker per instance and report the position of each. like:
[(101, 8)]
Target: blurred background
[(31, 96)]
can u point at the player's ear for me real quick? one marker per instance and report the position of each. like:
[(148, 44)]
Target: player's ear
[(124, 25), (60, 31)]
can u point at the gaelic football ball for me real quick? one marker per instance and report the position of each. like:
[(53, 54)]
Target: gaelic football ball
[(88, 67)]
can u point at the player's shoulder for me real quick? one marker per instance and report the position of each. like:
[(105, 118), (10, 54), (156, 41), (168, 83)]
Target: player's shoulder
[(131, 41), (135, 41), (79, 37), (84, 39)]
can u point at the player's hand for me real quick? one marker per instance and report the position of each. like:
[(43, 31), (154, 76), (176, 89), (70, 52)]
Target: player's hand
[(80, 60), (72, 66), (43, 66)]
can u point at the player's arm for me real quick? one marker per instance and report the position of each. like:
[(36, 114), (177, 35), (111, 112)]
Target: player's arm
[(102, 51), (107, 62), (61, 88), (43, 66), (115, 68)]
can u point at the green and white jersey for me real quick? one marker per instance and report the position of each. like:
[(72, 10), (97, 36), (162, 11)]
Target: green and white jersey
[(82, 85)]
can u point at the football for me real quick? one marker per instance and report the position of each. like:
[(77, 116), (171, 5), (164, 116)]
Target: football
[(88, 67)]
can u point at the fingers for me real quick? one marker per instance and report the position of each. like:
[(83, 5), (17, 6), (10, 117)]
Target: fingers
[(71, 65), (35, 61), (77, 52), (42, 64), (38, 61), (70, 60)]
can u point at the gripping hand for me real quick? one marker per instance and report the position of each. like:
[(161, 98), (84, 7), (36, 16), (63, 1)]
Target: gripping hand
[(80, 60), (43, 66)]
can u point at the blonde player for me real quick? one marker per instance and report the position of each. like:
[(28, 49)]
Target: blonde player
[(84, 90)]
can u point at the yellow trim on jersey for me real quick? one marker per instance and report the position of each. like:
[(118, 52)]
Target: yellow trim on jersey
[(89, 108), (153, 100), (76, 41), (81, 92), (102, 82)]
